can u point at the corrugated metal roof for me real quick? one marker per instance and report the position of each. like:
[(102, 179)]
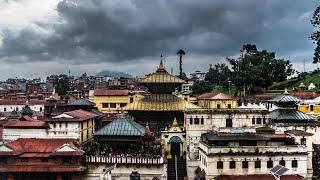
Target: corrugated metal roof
[(161, 102), (82, 102), (122, 127), (279, 115), (283, 98)]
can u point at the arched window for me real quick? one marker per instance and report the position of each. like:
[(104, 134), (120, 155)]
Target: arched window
[(257, 164), (232, 165), (282, 162), (196, 120), (202, 120), (270, 163), (245, 164), (219, 165), (191, 120), (294, 163)]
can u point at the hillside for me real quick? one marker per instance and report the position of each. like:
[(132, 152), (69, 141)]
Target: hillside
[(295, 82), (113, 74)]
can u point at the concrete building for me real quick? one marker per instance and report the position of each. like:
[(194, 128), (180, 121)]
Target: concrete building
[(217, 101)]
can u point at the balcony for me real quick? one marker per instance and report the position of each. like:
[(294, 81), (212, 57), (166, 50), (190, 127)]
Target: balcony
[(123, 160), (288, 149)]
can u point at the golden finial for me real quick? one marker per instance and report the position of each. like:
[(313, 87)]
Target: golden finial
[(175, 123), (166, 128), (285, 91), (161, 66)]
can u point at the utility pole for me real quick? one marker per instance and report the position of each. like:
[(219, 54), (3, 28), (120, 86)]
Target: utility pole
[(229, 86)]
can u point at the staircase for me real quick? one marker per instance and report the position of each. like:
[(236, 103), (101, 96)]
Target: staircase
[(181, 168)]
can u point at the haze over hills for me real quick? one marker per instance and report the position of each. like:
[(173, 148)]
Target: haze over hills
[(114, 74)]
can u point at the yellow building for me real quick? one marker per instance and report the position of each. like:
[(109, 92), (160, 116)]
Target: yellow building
[(186, 96), (77, 124), (114, 100), (311, 107), (216, 101)]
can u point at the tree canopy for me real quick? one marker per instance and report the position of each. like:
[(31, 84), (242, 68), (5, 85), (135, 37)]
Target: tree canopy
[(257, 69), (61, 84), (315, 36), (219, 75)]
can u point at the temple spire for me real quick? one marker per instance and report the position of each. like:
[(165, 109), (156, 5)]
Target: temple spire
[(175, 123), (161, 66)]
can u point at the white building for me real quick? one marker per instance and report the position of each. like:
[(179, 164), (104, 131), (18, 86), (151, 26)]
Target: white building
[(198, 75), (187, 87), (10, 105)]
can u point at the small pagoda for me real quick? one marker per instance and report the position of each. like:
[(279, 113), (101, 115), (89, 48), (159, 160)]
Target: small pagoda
[(161, 106)]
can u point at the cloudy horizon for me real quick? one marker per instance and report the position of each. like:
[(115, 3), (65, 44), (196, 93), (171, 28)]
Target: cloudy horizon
[(40, 38)]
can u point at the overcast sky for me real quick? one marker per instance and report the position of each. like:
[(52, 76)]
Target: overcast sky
[(39, 38)]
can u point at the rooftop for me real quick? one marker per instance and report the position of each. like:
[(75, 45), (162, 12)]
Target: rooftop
[(211, 136), (161, 102), (26, 124), (216, 96), (76, 115), (122, 126), (81, 102), (298, 133), (101, 92), (280, 114)]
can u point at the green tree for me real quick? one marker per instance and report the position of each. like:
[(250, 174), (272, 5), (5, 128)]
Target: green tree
[(61, 84), (315, 36), (200, 87), (256, 69), (219, 75)]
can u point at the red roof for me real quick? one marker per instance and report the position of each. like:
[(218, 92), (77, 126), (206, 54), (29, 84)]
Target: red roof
[(32, 123), (101, 92), (81, 114), (20, 102), (27, 118), (216, 96), (258, 177), (305, 94), (24, 168), (36, 146)]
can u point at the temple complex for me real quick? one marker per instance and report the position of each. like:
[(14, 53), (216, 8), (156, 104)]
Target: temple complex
[(159, 108)]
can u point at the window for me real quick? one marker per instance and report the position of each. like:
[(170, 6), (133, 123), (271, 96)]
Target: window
[(270, 163), (232, 165), (264, 120), (303, 141), (196, 120), (229, 106), (282, 162), (54, 125), (294, 163), (233, 144), (60, 124), (253, 121), (257, 164), (245, 164), (228, 122), (40, 108), (5, 109), (44, 159), (131, 99), (113, 105), (66, 160), (258, 120), (311, 108), (191, 120), (218, 106), (219, 165), (105, 105), (3, 160), (123, 104), (24, 159), (202, 120)]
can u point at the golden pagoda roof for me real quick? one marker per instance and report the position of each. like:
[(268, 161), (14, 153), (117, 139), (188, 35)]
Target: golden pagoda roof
[(160, 102), (161, 76)]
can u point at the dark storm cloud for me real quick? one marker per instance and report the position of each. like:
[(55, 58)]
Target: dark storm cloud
[(118, 31)]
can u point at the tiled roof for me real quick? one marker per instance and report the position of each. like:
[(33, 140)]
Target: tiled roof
[(81, 102), (298, 133), (76, 115), (20, 102), (161, 102), (294, 115), (26, 124), (216, 96), (258, 177), (305, 94), (30, 168), (101, 92), (122, 127), (21, 146)]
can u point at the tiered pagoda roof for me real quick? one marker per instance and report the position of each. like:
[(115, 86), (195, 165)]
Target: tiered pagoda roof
[(161, 102)]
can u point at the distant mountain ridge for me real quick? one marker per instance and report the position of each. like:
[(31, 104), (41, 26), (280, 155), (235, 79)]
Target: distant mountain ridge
[(114, 74)]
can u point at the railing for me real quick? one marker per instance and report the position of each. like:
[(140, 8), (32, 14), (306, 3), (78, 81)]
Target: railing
[(252, 149), (122, 160)]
